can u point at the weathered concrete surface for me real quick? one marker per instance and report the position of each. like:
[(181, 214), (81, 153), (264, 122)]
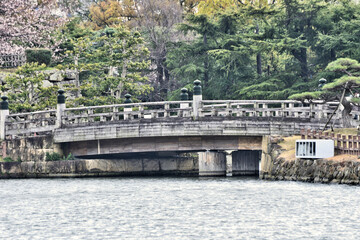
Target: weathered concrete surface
[(167, 127), (30, 148), (162, 144), (101, 167), (212, 163), (320, 170)]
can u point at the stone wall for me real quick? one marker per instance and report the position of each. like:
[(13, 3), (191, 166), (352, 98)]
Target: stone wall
[(318, 170), (29, 148), (176, 166)]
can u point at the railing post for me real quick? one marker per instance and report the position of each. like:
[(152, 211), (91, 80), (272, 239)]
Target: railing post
[(197, 98), (4, 112), (127, 108), (60, 107)]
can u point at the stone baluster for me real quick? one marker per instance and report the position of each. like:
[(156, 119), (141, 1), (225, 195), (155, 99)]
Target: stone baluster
[(292, 110), (166, 110), (114, 115), (184, 96), (127, 109), (256, 110), (141, 111), (228, 109), (4, 112), (61, 106), (197, 98)]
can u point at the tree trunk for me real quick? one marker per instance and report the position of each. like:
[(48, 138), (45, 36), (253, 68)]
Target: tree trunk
[(346, 118), (206, 63), (258, 64), (258, 56), (301, 56), (332, 55)]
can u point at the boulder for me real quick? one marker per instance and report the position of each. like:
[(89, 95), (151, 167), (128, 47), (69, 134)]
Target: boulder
[(56, 77), (70, 75), (46, 84)]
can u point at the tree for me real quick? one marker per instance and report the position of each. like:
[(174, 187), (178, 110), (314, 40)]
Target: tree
[(25, 90), (24, 23), (108, 13), (346, 84), (157, 19), (115, 59)]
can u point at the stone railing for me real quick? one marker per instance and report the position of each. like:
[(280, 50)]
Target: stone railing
[(197, 109), (131, 111), (30, 123), (12, 60), (265, 108)]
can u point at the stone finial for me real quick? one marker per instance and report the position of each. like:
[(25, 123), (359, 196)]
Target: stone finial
[(128, 98), (61, 97), (4, 105), (184, 96), (197, 87), (322, 82)]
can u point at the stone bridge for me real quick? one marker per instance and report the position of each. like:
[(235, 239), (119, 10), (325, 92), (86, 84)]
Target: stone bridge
[(173, 126)]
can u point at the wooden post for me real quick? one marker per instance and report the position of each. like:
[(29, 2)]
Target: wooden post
[(344, 145), (338, 142), (302, 132)]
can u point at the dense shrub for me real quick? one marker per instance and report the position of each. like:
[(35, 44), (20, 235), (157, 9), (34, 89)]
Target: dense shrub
[(38, 55), (52, 156)]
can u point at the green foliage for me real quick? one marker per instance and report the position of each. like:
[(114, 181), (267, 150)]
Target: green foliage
[(306, 96), (57, 157), (350, 69), (38, 55), (69, 157), (7, 159), (52, 156), (25, 91), (175, 95), (99, 54)]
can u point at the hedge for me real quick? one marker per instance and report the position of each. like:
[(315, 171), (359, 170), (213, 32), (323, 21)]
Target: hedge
[(39, 55)]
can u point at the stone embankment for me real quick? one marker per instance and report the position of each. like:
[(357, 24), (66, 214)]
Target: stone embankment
[(176, 166), (339, 170)]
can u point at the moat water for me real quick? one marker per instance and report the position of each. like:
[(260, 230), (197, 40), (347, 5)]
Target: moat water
[(177, 208)]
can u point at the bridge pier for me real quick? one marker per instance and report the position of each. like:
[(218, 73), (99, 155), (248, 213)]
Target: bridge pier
[(212, 163), (229, 163)]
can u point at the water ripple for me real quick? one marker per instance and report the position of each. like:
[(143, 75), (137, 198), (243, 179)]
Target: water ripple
[(176, 208)]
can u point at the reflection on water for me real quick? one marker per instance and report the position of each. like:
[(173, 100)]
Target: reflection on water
[(176, 208)]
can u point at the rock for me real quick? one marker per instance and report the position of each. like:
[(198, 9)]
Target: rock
[(56, 77), (335, 181), (46, 84), (70, 75)]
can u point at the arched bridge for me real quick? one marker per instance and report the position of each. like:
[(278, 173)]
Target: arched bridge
[(179, 126)]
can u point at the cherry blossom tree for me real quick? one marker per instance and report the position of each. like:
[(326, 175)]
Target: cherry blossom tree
[(28, 23)]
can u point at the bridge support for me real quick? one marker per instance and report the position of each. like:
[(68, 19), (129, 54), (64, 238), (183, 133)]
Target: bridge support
[(212, 163), (229, 163)]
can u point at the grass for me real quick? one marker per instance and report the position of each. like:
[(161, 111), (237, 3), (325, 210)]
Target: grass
[(288, 145), (346, 131)]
